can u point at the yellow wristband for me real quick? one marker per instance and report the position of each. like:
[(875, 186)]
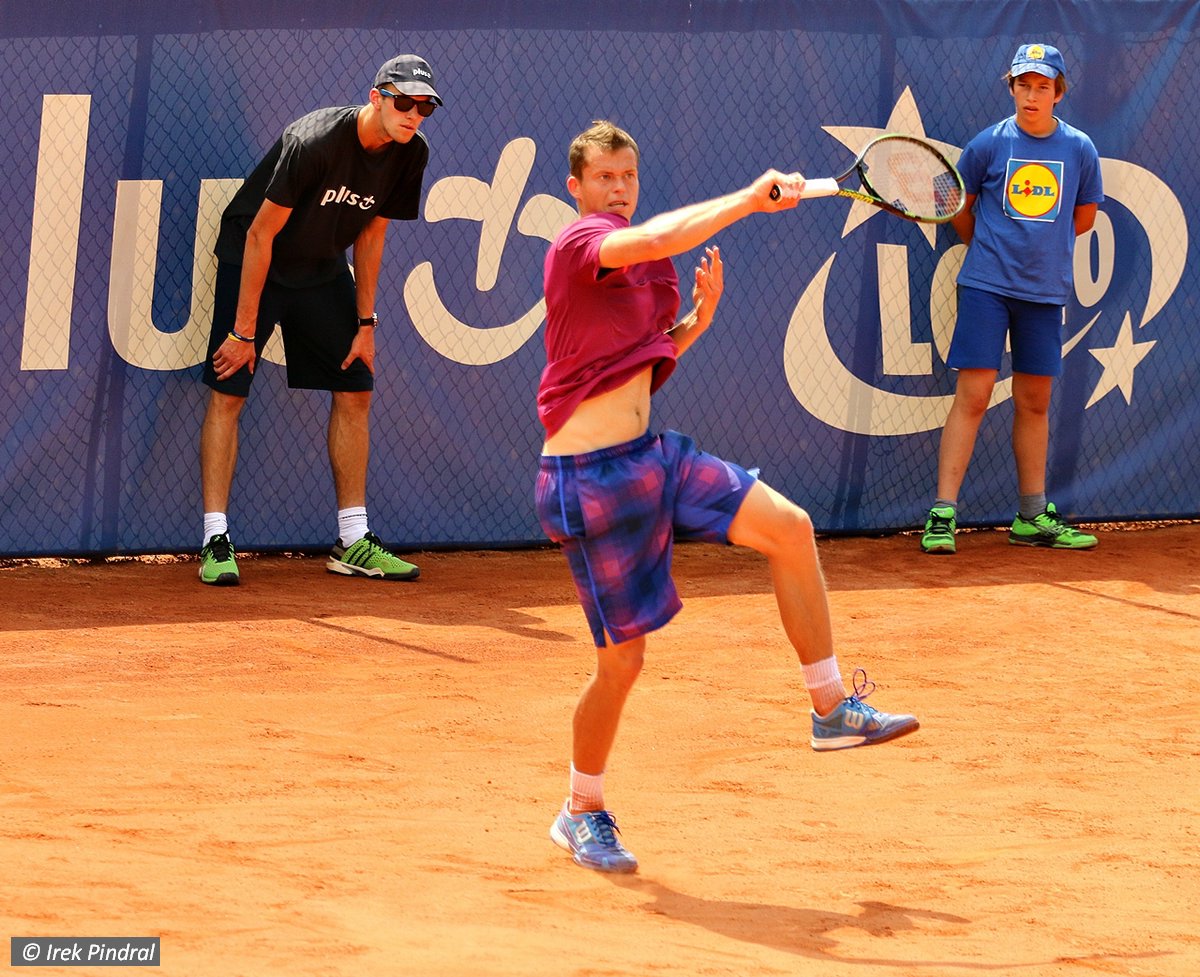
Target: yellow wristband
[(238, 337)]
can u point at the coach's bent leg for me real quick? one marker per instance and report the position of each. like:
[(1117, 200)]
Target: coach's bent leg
[(219, 448), (598, 713), (349, 440), (783, 533)]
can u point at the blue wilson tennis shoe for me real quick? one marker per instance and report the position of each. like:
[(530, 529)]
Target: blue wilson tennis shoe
[(591, 838), (854, 723)]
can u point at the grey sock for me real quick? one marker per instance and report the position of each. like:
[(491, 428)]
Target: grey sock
[(1032, 506)]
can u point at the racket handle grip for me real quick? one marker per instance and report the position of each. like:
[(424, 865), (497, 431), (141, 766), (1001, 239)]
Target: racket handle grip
[(825, 187)]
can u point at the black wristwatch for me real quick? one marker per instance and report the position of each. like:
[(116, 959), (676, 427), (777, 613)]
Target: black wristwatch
[(371, 320)]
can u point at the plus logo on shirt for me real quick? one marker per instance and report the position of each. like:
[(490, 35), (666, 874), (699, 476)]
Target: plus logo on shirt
[(343, 196), (1033, 190)]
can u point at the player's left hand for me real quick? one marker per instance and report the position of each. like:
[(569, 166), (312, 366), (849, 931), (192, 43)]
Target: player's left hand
[(363, 348), (710, 284)]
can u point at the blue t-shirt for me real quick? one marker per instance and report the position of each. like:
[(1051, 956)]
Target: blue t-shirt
[(1027, 188)]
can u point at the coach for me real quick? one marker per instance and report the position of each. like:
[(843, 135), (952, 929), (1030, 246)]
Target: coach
[(333, 179)]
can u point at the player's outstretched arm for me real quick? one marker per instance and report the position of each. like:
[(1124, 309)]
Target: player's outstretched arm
[(677, 231)]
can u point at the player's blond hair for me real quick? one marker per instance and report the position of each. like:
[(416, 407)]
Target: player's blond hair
[(603, 136)]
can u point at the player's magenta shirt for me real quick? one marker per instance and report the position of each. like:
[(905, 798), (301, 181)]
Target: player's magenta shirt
[(603, 325)]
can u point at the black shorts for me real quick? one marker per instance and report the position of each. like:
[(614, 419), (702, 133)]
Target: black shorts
[(318, 324)]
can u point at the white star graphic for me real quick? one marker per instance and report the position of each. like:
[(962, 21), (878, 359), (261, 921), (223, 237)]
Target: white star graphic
[(1119, 361), (905, 118)]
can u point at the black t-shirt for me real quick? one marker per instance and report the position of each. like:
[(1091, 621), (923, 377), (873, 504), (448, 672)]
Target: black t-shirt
[(334, 187)]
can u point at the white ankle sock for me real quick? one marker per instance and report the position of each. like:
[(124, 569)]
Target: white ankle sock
[(215, 523), (352, 524), (824, 682), (587, 791)]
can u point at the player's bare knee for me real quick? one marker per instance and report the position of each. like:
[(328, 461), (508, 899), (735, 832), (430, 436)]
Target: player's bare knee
[(800, 527), (620, 664), (791, 529)]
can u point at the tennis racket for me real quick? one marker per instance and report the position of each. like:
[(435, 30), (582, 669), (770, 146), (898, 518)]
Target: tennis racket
[(903, 175)]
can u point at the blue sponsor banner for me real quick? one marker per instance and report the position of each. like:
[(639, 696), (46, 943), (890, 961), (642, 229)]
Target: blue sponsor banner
[(129, 125)]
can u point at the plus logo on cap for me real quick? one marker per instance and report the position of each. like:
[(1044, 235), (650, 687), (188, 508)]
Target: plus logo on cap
[(409, 75)]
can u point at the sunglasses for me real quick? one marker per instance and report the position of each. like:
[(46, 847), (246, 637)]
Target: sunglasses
[(404, 104)]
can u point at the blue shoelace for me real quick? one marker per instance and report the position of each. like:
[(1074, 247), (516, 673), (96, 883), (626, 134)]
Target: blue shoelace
[(602, 825), (863, 687)]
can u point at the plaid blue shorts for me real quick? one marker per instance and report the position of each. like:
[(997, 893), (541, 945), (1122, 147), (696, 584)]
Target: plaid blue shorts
[(617, 512)]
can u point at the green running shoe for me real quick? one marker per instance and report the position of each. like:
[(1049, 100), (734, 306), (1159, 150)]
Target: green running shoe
[(939, 530), (370, 558), (1049, 529), (218, 562)]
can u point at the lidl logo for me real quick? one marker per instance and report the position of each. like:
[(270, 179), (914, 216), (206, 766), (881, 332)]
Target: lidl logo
[(1034, 190)]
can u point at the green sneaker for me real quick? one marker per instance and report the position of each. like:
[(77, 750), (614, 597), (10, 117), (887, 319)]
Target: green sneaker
[(939, 530), (218, 562), (1049, 529), (370, 558)]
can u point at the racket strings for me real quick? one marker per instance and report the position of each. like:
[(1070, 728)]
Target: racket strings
[(912, 178)]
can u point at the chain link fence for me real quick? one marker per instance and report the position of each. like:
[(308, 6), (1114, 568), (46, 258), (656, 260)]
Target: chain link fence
[(825, 366)]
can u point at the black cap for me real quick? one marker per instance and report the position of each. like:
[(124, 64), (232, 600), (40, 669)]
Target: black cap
[(410, 75)]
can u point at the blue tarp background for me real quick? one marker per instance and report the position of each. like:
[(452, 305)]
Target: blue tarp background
[(824, 368)]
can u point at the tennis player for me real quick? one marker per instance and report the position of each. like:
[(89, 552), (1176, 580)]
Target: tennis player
[(616, 496), (1033, 185), (333, 180)]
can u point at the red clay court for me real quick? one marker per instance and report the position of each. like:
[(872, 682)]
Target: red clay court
[(309, 775)]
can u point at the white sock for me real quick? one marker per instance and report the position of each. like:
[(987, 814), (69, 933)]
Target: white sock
[(824, 682), (587, 791), (215, 524), (352, 524)]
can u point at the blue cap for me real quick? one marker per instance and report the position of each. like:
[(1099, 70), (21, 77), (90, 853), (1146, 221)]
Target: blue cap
[(1041, 59)]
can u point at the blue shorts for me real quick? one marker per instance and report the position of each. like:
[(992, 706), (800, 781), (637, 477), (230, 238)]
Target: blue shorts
[(986, 318), (617, 512), (319, 323)]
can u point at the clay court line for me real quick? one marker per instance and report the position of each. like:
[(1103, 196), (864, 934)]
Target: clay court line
[(393, 642), (1129, 603)]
